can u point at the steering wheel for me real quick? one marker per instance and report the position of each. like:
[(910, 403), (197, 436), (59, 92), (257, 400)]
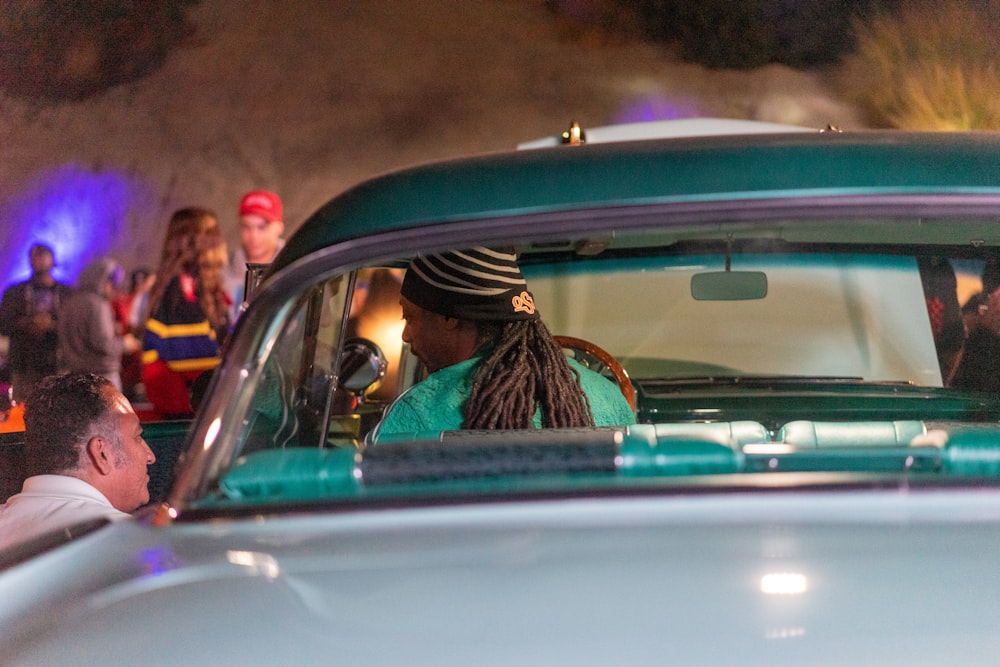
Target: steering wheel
[(599, 361)]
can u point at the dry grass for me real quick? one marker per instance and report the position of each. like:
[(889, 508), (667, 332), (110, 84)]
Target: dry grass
[(928, 66)]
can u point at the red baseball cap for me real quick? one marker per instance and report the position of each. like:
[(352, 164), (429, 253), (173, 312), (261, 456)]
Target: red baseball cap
[(263, 203)]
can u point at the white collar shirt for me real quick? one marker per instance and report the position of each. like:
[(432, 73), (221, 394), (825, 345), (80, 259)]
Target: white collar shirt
[(51, 502)]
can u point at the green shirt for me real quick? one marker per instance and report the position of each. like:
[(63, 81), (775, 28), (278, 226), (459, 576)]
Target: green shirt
[(436, 403)]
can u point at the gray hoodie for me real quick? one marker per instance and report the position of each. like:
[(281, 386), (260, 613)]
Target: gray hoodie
[(88, 340)]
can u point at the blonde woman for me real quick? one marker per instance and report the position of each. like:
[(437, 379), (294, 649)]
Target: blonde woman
[(188, 312)]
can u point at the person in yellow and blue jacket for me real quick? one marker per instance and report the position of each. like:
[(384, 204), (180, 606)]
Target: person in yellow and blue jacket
[(188, 317)]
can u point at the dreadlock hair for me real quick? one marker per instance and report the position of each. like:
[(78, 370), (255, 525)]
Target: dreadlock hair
[(523, 371)]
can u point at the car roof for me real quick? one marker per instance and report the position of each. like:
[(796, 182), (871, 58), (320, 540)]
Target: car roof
[(664, 129), (707, 168)]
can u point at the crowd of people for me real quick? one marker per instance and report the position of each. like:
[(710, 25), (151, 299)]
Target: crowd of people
[(151, 338), (79, 356)]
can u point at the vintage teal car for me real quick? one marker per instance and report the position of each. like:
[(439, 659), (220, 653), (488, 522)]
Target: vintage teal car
[(804, 323)]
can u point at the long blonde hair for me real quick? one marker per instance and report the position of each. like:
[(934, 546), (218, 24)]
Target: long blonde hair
[(212, 298), (190, 232)]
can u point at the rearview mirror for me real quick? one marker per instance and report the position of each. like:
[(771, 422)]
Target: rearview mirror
[(729, 285)]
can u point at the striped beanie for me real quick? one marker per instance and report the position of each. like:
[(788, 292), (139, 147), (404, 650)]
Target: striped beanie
[(474, 284)]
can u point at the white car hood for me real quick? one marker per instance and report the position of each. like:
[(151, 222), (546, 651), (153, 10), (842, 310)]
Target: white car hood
[(784, 578)]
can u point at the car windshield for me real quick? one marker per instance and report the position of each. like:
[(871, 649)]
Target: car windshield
[(833, 345)]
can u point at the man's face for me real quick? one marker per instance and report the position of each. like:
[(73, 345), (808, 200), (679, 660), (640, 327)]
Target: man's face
[(41, 261), (432, 337), (260, 237), (129, 488)]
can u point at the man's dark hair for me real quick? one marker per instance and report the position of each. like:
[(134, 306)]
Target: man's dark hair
[(40, 248), (61, 414), (524, 370)]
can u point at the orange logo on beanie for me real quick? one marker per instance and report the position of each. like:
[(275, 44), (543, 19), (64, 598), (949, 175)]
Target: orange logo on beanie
[(523, 303)]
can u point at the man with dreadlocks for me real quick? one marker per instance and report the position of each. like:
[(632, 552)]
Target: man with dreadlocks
[(492, 362)]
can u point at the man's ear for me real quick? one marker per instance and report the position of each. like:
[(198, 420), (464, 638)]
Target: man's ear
[(100, 455), (451, 323)]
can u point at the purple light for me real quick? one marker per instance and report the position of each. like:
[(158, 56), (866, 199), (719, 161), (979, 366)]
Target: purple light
[(656, 107), (157, 560), (80, 213)]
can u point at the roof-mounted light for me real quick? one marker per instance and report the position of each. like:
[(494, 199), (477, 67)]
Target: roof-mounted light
[(574, 136)]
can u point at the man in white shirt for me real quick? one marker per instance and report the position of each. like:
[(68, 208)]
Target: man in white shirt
[(85, 455)]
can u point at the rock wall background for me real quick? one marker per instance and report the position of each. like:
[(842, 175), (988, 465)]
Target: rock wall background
[(308, 98)]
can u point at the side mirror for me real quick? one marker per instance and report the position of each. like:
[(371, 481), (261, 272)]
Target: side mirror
[(362, 366), (729, 285)]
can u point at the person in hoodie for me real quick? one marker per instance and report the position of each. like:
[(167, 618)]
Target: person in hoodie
[(89, 340)]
